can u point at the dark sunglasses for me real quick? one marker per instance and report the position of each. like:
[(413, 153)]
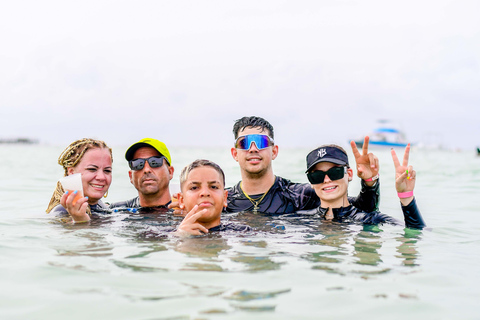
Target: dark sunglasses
[(262, 141), (138, 164), (335, 173)]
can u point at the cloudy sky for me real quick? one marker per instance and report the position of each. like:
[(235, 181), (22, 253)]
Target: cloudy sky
[(184, 71)]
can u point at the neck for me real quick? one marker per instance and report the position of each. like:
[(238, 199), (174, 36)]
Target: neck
[(210, 224), (92, 201), (334, 204), (256, 184), (154, 200)]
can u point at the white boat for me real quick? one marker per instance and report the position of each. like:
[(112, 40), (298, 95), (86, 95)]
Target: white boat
[(385, 136)]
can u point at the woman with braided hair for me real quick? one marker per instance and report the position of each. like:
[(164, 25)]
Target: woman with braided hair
[(93, 159)]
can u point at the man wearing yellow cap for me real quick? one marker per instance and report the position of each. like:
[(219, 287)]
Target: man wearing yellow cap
[(150, 172)]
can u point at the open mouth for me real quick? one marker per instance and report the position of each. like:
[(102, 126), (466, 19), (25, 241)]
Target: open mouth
[(330, 189)]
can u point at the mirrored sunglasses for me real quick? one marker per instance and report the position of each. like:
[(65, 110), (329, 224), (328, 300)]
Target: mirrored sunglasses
[(138, 164), (261, 141), (335, 173)]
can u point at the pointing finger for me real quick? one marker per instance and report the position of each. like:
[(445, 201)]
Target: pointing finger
[(194, 217)]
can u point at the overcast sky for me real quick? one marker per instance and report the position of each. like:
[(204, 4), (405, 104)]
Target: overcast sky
[(184, 71)]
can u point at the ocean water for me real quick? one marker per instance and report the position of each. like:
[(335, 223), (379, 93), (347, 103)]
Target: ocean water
[(289, 268)]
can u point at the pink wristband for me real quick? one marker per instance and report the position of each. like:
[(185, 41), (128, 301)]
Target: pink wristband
[(373, 178), (403, 195)]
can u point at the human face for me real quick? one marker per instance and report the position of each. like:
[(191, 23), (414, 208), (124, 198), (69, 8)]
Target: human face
[(204, 187), (254, 161), (332, 193), (96, 169), (150, 181)]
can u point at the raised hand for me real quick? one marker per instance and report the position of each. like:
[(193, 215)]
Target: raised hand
[(176, 206), (190, 226), (404, 176), (367, 163), (77, 209)]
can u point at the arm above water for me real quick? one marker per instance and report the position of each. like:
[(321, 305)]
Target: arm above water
[(405, 178), (368, 198), (367, 170), (413, 218)]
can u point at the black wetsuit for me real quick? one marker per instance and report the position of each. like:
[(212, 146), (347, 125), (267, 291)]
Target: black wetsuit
[(135, 204), (96, 209), (230, 226), (413, 218), (288, 197)]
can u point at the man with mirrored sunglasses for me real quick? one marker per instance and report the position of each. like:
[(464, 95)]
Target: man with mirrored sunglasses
[(150, 173), (261, 191), (329, 173)]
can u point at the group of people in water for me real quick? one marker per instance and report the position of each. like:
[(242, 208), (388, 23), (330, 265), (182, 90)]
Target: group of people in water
[(203, 195)]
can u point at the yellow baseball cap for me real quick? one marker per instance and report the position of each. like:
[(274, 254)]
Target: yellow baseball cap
[(148, 142)]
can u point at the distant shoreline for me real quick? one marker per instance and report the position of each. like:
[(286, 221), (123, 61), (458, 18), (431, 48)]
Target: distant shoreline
[(18, 141)]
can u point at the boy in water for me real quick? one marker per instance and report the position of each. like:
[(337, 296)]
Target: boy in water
[(329, 173), (203, 196)]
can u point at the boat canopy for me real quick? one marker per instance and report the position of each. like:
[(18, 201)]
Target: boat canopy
[(387, 130)]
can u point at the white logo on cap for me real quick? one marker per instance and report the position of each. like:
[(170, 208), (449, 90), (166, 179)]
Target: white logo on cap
[(322, 152)]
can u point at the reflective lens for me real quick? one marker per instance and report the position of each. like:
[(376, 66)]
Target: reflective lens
[(138, 164), (262, 141), (334, 173)]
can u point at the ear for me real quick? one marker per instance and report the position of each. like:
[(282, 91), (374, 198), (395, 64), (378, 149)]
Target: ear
[(234, 153), (130, 174), (180, 199), (274, 152), (170, 171), (225, 198), (70, 171), (350, 174)]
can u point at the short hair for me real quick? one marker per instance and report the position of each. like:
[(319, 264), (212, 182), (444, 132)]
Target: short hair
[(252, 122), (197, 164)]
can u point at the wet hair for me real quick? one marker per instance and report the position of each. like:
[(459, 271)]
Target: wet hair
[(197, 164), (252, 122), (69, 158)]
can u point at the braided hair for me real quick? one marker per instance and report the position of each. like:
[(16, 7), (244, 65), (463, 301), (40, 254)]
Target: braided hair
[(69, 158)]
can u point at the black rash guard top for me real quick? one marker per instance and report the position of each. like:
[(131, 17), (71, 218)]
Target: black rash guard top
[(288, 197)]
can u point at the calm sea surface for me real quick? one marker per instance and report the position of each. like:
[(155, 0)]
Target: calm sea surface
[(290, 268)]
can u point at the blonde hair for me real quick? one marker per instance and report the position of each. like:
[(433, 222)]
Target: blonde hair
[(69, 158)]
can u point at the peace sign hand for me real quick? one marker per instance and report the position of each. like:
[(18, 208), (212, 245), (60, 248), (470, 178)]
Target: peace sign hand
[(190, 226), (367, 163), (404, 174)]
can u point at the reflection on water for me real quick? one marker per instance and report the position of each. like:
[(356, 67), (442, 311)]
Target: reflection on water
[(143, 247), (407, 249), (328, 246)]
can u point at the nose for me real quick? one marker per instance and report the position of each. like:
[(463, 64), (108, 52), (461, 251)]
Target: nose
[(101, 175), (205, 192), (146, 167), (327, 179), (253, 147)]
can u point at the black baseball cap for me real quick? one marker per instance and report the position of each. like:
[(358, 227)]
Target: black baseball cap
[(326, 154)]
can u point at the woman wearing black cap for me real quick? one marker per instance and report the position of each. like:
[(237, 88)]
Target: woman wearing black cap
[(329, 173)]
